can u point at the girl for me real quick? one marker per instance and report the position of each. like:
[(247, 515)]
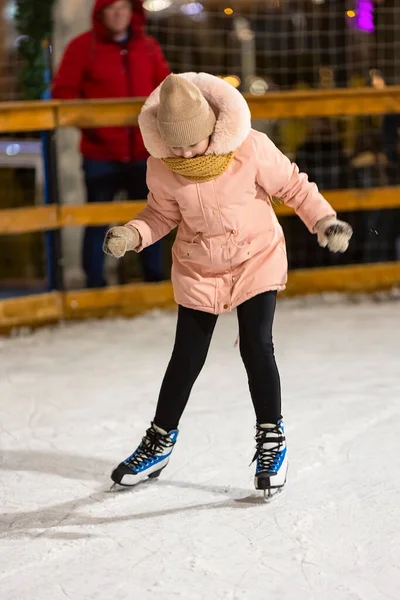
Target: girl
[(214, 177)]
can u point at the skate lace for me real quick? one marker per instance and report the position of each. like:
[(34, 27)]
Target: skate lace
[(153, 443), (268, 456)]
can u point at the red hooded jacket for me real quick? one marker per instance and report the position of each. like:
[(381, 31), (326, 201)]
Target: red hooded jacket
[(94, 66)]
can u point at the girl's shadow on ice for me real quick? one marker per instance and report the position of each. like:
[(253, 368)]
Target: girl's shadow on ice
[(44, 522)]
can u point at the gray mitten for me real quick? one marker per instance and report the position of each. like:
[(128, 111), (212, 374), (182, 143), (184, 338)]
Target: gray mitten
[(120, 240), (333, 234)]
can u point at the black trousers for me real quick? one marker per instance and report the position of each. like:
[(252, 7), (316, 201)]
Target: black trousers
[(193, 337)]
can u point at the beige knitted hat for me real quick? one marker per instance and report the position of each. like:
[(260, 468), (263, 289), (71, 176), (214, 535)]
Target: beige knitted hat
[(184, 116)]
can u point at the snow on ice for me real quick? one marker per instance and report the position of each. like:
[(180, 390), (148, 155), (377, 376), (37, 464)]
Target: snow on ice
[(75, 400)]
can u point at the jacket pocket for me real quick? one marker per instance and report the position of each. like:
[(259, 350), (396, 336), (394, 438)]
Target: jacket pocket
[(253, 240), (237, 242), (196, 252), (243, 249)]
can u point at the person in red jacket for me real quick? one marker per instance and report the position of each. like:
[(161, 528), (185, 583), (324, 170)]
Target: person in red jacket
[(115, 59)]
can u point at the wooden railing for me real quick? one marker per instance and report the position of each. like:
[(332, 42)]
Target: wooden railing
[(37, 116), (43, 218), (133, 299)]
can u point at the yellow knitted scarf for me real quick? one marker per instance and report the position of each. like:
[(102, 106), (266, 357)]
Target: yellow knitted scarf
[(201, 168)]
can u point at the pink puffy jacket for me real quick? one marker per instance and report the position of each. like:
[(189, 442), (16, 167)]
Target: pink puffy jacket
[(229, 245)]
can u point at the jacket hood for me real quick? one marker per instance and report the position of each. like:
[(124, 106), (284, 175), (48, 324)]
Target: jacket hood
[(137, 23), (233, 116)]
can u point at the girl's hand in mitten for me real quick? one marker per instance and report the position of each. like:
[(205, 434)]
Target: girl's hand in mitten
[(333, 234), (119, 240)]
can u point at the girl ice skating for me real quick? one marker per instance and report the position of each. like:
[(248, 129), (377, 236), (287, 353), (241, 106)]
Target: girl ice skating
[(213, 177)]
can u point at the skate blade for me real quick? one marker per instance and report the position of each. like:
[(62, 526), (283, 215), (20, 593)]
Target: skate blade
[(117, 488), (271, 494)]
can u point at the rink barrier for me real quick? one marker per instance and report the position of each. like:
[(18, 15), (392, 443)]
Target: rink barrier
[(44, 218), (35, 310), (133, 299), (28, 220), (39, 116)]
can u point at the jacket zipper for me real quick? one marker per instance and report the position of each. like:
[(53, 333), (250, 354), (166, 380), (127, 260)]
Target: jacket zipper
[(227, 239), (125, 65), (200, 199)]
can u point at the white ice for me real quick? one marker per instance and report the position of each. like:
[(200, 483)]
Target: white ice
[(76, 400)]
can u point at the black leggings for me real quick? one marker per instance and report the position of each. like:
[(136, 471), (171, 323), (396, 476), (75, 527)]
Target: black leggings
[(193, 336)]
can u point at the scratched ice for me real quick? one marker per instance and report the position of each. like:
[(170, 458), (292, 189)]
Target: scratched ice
[(77, 399)]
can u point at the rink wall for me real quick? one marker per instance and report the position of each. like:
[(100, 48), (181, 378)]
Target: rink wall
[(130, 299)]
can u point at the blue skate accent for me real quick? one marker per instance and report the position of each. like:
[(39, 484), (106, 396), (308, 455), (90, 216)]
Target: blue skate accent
[(270, 449), (144, 449), (146, 464), (275, 466)]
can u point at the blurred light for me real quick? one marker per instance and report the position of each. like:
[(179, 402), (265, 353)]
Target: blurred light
[(365, 15), (351, 14), (156, 5), (228, 11), (13, 149), (10, 11), (377, 79), (258, 87), (243, 31), (246, 35), (191, 9), (233, 80), (19, 39)]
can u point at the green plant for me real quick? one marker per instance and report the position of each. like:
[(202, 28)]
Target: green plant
[(34, 22)]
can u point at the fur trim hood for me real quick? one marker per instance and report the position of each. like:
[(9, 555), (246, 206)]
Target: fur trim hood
[(233, 116)]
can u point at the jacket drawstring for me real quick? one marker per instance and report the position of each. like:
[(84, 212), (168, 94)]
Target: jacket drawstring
[(196, 237)]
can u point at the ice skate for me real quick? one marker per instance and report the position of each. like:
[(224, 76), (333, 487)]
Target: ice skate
[(148, 460), (271, 457)]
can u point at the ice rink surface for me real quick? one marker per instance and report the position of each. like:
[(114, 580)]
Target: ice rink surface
[(75, 400)]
